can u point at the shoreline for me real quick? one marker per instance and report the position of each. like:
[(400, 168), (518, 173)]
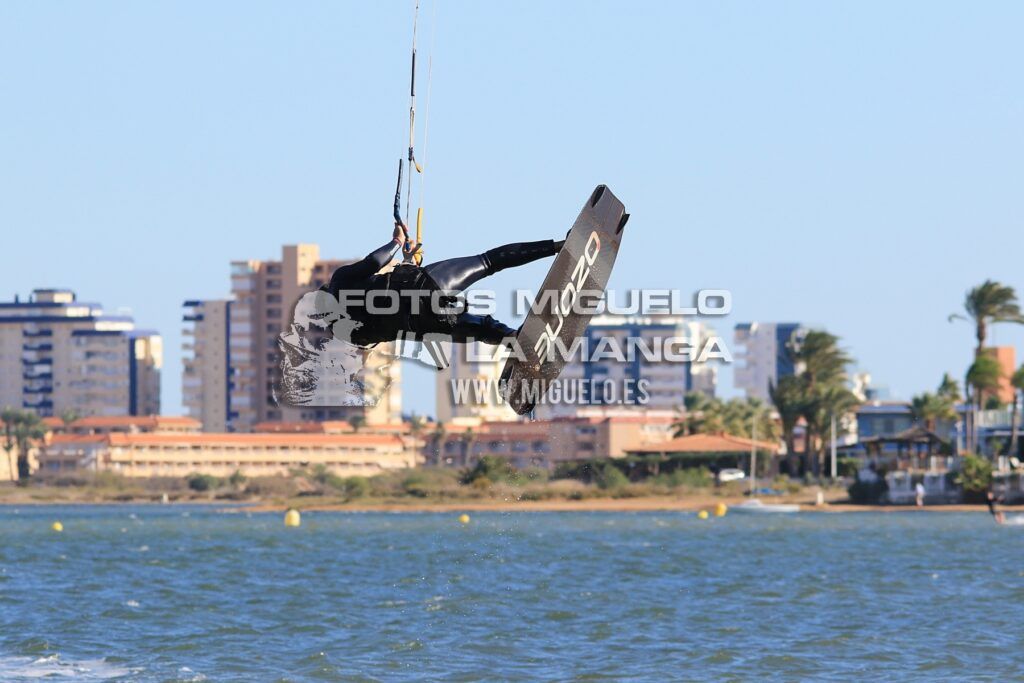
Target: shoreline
[(640, 504)]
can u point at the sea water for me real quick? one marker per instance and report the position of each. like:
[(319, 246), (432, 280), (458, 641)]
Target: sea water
[(181, 593)]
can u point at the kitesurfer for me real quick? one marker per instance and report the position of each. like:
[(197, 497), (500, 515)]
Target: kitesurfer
[(997, 515), (366, 292)]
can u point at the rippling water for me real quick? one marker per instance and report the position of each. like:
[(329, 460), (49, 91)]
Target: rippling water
[(181, 594)]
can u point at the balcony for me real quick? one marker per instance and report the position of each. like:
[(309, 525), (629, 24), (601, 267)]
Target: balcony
[(32, 332), (43, 404), (29, 376)]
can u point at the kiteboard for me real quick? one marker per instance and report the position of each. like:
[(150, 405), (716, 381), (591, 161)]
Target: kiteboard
[(566, 301)]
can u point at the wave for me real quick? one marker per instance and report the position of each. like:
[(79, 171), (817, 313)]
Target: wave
[(54, 668)]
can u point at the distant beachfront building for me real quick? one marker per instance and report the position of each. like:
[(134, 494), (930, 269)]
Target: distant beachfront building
[(161, 446), (665, 380), (232, 361), (545, 443), (761, 356), (58, 354), (206, 363)]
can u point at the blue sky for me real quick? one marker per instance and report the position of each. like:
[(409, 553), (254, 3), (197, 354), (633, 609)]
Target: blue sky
[(853, 165)]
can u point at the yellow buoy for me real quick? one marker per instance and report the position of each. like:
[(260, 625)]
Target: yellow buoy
[(57, 526), (703, 514), (292, 518), (721, 509), (464, 519)]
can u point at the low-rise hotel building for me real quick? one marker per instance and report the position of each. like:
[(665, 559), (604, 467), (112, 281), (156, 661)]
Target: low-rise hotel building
[(174, 447)]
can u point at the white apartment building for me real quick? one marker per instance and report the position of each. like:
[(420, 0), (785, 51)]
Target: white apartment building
[(762, 357)]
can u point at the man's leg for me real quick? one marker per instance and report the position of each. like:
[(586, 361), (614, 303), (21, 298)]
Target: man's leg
[(482, 328), (455, 275)]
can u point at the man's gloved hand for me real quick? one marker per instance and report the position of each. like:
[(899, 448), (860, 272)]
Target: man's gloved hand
[(399, 235)]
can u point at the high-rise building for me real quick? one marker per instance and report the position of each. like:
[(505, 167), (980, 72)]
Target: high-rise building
[(206, 363), (638, 354), (59, 355), (240, 337), (650, 344), (763, 356)]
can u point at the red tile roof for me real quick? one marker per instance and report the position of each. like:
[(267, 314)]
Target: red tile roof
[(302, 427), (57, 439), (141, 421), (704, 443), (236, 439)]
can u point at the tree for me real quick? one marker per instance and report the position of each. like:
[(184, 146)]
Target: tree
[(9, 417), (1017, 382), (437, 438), (357, 422), (988, 303), (983, 376), (975, 477), (821, 370), (416, 424), (69, 416), (949, 389), (735, 417), (466, 440), (702, 415), (826, 402), (21, 427), (787, 397), (932, 408)]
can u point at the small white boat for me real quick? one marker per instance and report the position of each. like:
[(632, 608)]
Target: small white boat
[(756, 506)]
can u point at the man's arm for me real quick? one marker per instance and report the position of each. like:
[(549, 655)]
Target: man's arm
[(373, 262)]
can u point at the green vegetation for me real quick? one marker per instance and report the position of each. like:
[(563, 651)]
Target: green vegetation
[(867, 493), (736, 417), (817, 393), (202, 482), (975, 476), (490, 479), (21, 427), (1017, 382), (989, 303)]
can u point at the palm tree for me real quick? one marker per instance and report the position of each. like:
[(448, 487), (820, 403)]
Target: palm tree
[(818, 409), (437, 439), (988, 303), (983, 377), (821, 367), (21, 427), (931, 408), (466, 440), (787, 397), (69, 416), (949, 388), (1017, 382), (9, 416), (702, 415), (357, 422)]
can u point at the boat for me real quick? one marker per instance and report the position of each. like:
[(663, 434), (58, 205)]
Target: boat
[(756, 506)]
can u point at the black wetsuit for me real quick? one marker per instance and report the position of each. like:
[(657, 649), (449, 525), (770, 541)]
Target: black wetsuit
[(415, 286)]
